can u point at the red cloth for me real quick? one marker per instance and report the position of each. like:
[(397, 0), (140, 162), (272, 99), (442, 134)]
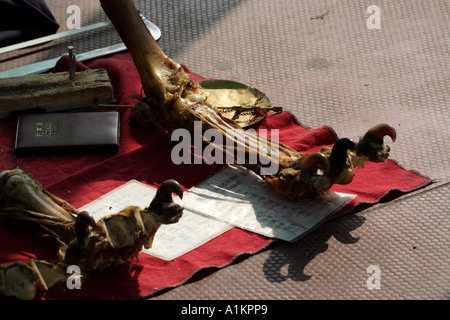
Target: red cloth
[(145, 156)]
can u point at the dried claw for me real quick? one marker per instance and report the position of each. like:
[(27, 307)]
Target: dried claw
[(378, 132), (312, 162), (339, 160), (18, 189), (372, 146), (82, 223), (163, 204), (23, 200), (165, 190), (302, 179)]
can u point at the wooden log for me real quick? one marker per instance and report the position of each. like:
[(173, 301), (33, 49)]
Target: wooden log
[(54, 91)]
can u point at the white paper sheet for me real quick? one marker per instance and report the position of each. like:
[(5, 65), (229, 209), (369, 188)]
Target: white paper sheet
[(239, 197), (171, 241)]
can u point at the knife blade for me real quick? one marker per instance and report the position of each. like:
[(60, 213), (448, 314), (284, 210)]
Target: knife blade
[(52, 37), (46, 65)]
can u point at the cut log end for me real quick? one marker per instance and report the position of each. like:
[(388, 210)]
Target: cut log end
[(54, 91)]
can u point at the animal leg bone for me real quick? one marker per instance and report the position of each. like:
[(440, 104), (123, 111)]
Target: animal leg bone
[(172, 100)]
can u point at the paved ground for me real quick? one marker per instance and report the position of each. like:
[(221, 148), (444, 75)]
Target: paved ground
[(321, 61)]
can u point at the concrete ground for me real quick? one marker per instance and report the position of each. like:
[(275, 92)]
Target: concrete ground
[(345, 64)]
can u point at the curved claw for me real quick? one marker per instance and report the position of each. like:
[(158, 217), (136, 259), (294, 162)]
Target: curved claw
[(165, 190), (301, 180), (82, 223), (378, 132), (163, 204), (81, 227), (372, 146), (339, 156), (314, 161)]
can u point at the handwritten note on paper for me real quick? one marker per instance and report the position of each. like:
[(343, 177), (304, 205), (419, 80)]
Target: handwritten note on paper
[(171, 241), (239, 197)]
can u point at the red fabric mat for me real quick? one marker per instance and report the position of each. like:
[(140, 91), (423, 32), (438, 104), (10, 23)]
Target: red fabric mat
[(145, 156)]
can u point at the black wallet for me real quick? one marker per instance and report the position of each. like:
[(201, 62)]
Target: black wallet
[(68, 132)]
